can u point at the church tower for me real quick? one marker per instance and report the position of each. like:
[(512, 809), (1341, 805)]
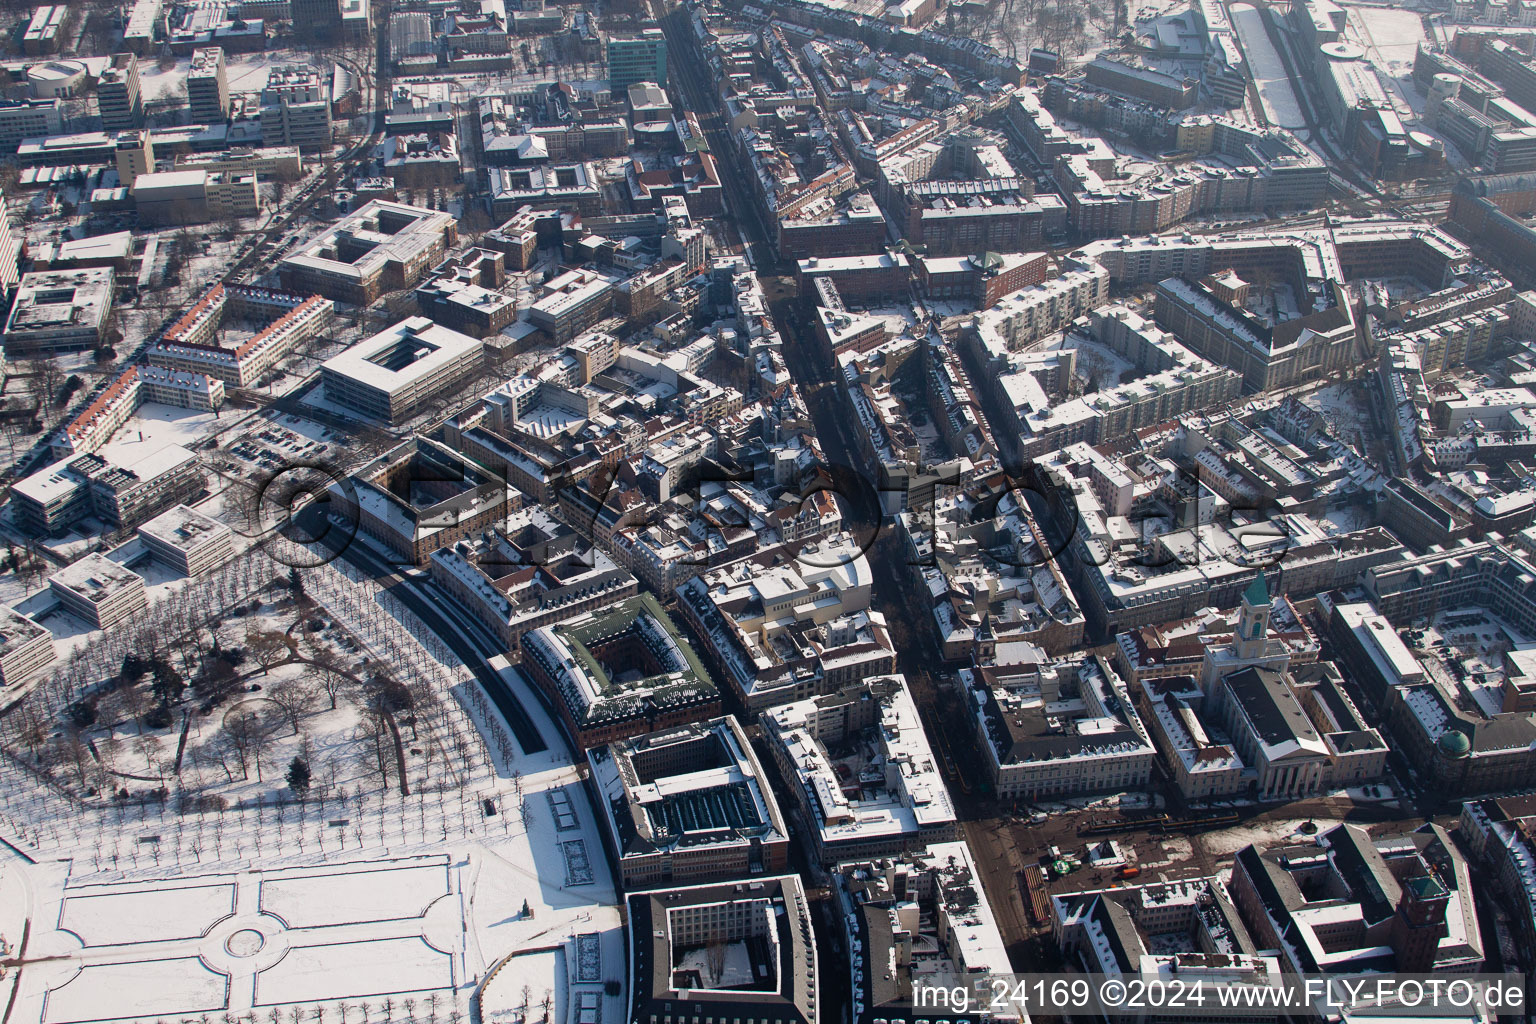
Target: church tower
[(1253, 621)]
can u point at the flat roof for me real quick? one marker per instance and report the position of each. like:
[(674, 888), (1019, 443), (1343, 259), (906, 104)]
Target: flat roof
[(908, 796), (183, 527), (380, 362), (116, 245), (17, 630), (168, 179), (95, 578), (415, 228), (50, 299)]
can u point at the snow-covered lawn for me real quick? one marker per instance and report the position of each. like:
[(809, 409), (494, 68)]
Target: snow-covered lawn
[(353, 970), (112, 917), (217, 944), (143, 988), (1099, 365), (1346, 408), (319, 899)]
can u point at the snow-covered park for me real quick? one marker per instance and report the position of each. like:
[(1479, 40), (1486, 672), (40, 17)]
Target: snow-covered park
[(156, 883)]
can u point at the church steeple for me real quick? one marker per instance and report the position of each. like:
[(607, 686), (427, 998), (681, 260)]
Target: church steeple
[(1253, 620)]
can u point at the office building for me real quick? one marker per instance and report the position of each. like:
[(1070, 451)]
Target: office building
[(395, 373), (296, 108), (318, 20), (41, 35), (462, 499), (785, 632), (573, 302), (188, 542), (194, 197), (59, 311), (99, 590), (25, 647), (688, 805), (577, 664), (1050, 729), (455, 299), (121, 496), (29, 119), (869, 731), (283, 163), (759, 929), (135, 153), (208, 86), (383, 246), (144, 16), (929, 909), (1188, 925), (637, 58), (1348, 901), (118, 95)]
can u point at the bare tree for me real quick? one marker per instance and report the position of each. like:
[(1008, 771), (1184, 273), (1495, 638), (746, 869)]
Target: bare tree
[(380, 758), (44, 377), (218, 680), (136, 702), (216, 752), (148, 747), (31, 731), (78, 755), (333, 679), (250, 732), (239, 737), (267, 647), (715, 957), (296, 698)]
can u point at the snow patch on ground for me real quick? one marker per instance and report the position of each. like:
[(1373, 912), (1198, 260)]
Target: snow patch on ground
[(1228, 841)]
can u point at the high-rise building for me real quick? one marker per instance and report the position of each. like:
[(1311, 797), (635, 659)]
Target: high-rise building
[(10, 252), (135, 156), (208, 86), (117, 94), (316, 19), (296, 108), (637, 58)]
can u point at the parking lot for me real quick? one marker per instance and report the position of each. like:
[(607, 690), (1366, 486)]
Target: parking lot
[(269, 447)]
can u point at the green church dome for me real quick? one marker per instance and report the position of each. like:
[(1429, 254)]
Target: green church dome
[(1454, 744)]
